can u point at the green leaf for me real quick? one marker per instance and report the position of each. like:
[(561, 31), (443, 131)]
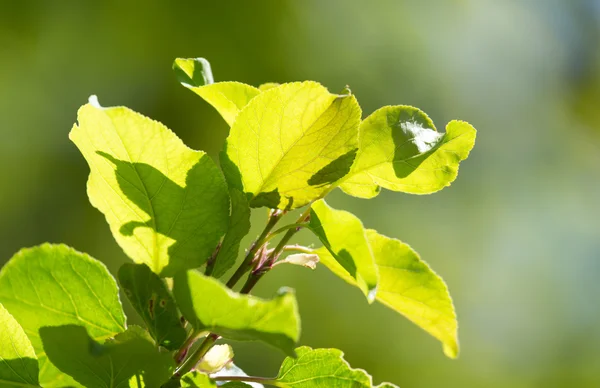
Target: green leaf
[(130, 357), (400, 150), (233, 370), (291, 143), (167, 205), (316, 368), (18, 363), (151, 299), (408, 286), (54, 285), (239, 226), (210, 306), (343, 235), (228, 98)]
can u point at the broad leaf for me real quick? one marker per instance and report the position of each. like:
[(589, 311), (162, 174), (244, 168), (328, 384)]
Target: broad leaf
[(408, 286), (208, 305), (343, 236), (18, 363), (239, 226), (291, 143), (167, 205), (130, 359), (54, 285), (316, 368), (400, 150), (151, 299), (228, 98)]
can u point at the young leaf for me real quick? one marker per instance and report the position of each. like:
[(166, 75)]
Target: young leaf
[(228, 98), (114, 363), (167, 205), (151, 299), (316, 368), (343, 235), (291, 143), (400, 150), (18, 363), (209, 305), (239, 226), (408, 286), (54, 285)]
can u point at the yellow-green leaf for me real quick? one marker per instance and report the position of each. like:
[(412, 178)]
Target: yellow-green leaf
[(408, 286), (152, 188), (18, 363), (208, 305), (291, 143), (228, 98), (400, 150), (344, 238)]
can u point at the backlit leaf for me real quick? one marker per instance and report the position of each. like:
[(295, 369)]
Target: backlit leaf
[(228, 98), (400, 150), (54, 285), (408, 286), (18, 363), (130, 359), (291, 143), (317, 368), (208, 305), (343, 236), (152, 189)]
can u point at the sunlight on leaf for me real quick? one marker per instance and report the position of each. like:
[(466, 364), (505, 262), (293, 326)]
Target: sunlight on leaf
[(152, 188), (18, 363)]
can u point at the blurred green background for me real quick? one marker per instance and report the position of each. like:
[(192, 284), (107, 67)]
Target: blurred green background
[(516, 237)]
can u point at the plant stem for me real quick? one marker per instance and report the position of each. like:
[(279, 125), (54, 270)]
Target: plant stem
[(183, 350), (251, 379), (247, 264), (195, 358), (268, 263)]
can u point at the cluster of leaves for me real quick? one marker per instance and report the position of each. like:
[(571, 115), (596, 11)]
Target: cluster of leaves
[(173, 211)]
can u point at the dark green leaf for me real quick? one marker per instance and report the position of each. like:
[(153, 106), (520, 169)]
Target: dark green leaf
[(239, 226), (151, 299)]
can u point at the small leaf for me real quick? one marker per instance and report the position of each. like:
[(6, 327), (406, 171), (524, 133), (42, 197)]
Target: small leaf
[(152, 189), (228, 98), (316, 368), (291, 143), (111, 364), (216, 358), (151, 299), (408, 286), (210, 306), (54, 285), (18, 363), (400, 150), (343, 235), (239, 226), (308, 260)]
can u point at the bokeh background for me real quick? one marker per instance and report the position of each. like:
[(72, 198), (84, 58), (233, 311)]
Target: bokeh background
[(516, 237)]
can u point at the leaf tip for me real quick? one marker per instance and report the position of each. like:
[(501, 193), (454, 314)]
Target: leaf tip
[(93, 100)]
